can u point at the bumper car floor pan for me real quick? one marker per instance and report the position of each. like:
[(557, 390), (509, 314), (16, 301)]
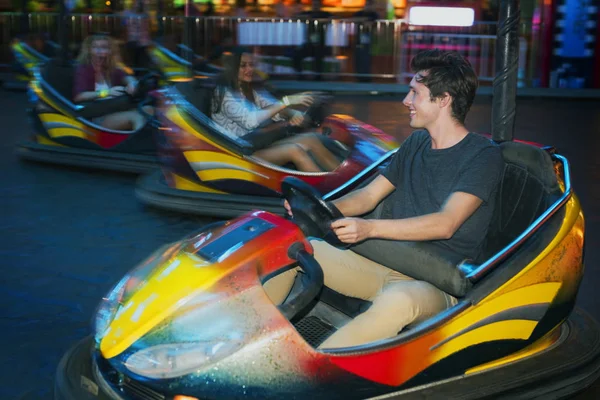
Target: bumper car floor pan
[(86, 158)]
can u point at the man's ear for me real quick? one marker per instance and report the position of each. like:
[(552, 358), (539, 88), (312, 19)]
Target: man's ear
[(445, 100)]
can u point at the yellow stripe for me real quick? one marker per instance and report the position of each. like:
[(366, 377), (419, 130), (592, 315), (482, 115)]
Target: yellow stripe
[(159, 296), (40, 93), (572, 213), (211, 156), (168, 64), (534, 294), (536, 347), (125, 68), (174, 115), (61, 132), (54, 117), (501, 330), (185, 184), (174, 69), (44, 140), (181, 79), (224, 173)]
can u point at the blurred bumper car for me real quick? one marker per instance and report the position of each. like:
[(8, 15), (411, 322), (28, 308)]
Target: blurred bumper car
[(68, 133), (205, 171)]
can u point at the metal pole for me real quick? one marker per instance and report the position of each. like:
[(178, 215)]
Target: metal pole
[(63, 39), (187, 36), (159, 16), (24, 18), (505, 82)]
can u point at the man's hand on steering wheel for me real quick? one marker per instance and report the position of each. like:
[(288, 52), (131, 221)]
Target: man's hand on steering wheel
[(309, 211), (287, 207), (352, 230)]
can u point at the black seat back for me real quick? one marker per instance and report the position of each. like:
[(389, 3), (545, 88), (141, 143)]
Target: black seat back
[(528, 187), (199, 93), (60, 76)]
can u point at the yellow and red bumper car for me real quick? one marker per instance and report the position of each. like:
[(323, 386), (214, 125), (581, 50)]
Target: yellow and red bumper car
[(70, 134), (205, 171), (194, 322)]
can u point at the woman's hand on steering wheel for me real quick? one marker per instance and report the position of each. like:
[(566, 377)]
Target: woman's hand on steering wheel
[(116, 91), (131, 88), (297, 119), (300, 99)]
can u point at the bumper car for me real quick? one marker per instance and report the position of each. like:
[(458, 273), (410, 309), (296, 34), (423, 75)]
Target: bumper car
[(206, 172), (26, 60), (182, 64), (194, 322), (66, 133)]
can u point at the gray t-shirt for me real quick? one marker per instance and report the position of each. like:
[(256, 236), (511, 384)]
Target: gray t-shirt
[(424, 179)]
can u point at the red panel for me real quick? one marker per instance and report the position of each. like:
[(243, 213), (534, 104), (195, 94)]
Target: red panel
[(108, 140)]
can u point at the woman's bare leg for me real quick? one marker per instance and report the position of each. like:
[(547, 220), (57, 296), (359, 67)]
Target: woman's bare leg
[(124, 121), (324, 157), (289, 152)]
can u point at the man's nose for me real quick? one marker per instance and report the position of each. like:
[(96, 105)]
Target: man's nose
[(406, 100)]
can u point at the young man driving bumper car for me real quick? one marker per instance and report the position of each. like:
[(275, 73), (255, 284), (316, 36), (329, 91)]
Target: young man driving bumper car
[(440, 187)]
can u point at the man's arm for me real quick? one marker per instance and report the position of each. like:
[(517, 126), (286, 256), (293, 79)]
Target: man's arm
[(440, 225), (366, 199)]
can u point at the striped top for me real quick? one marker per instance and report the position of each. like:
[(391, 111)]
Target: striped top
[(237, 115)]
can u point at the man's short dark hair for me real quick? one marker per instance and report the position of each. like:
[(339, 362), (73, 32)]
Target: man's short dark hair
[(447, 71)]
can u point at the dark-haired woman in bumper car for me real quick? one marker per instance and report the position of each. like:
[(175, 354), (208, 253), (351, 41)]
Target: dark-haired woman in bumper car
[(240, 107), (98, 77)]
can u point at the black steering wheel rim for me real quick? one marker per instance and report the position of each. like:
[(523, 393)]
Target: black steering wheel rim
[(143, 88), (309, 211), (318, 110)]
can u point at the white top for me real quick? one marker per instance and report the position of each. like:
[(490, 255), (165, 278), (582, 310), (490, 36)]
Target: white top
[(102, 86), (237, 115)]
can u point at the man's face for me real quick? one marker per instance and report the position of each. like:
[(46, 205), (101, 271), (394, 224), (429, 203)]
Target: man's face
[(423, 111)]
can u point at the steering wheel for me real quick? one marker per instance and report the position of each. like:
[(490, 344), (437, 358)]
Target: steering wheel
[(313, 215), (145, 84), (101, 107), (310, 212), (318, 110)]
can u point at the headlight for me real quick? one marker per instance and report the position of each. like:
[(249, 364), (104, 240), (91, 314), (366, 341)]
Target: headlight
[(177, 359)]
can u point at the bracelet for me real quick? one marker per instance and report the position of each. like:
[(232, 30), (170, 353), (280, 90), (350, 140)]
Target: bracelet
[(103, 93), (285, 100)]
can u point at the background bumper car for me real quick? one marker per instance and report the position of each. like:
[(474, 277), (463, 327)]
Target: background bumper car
[(182, 64), (67, 133), (26, 59), (205, 171)]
